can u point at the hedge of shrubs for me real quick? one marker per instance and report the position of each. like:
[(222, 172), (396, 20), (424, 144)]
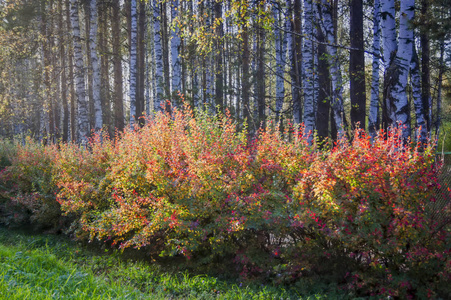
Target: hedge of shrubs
[(358, 212)]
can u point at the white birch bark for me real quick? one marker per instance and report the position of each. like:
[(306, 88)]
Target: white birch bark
[(374, 104), (133, 63), (388, 31), (308, 68), (325, 20), (390, 47), (80, 91), (158, 58), (403, 58), (175, 45), (98, 121)]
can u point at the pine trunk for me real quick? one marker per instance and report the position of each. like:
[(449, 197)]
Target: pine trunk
[(357, 66), (117, 67)]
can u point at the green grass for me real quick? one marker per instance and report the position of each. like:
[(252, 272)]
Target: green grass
[(34, 266)]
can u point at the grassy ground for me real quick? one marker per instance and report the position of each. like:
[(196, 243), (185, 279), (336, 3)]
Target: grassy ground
[(34, 266)]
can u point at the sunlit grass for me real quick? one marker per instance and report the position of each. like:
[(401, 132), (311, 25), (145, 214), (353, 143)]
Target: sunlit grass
[(51, 267)]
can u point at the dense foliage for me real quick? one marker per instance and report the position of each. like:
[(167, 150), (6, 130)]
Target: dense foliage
[(358, 212)]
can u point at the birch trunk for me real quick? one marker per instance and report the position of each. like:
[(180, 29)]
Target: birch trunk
[(374, 104), (158, 78), (98, 120), (133, 64), (308, 69), (83, 121), (175, 45), (390, 46), (402, 62)]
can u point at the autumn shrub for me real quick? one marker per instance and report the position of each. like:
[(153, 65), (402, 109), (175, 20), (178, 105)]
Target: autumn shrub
[(361, 212), (80, 178), (371, 204), (30, 196)]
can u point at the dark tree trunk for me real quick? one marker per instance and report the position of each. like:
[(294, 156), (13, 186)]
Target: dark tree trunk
[(63, 57), (425, 70), (325, 90), (219, 78), (117, 66), (357, 66), (297, 61), (245, 86), (104, 65), (70, 55)]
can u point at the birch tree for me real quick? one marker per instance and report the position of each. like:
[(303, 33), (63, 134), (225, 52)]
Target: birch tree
[(158, 58), (398, 94), (374, 102), (175, 45), (390, 46), (98, 121), (82, 118), (308, 67), (133, 63)]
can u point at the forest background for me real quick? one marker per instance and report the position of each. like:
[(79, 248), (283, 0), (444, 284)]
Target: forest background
[(68, 68)]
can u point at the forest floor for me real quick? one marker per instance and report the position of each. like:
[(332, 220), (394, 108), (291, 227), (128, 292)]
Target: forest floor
[(47, 266)]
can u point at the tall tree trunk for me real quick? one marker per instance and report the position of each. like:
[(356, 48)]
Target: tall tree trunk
[(357, 66), (88, 63), (83, 121), (73, 127), (398, 94), (373, 116), (281, 46), (297, 59), (325, 91), (425, 70), (158, 50), (415, 82), (133, 64), (98, 118), (219, 74), (165, 47), (117, 67), (439, 89), (260, 78), (105, 96), (175, 57), (62, 58), (245, 86), (390, 46), (141, 53), (325, 11), (308, 68)]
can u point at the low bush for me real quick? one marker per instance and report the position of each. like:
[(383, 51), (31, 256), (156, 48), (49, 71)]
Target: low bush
[(361, 213), (31, 193)]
